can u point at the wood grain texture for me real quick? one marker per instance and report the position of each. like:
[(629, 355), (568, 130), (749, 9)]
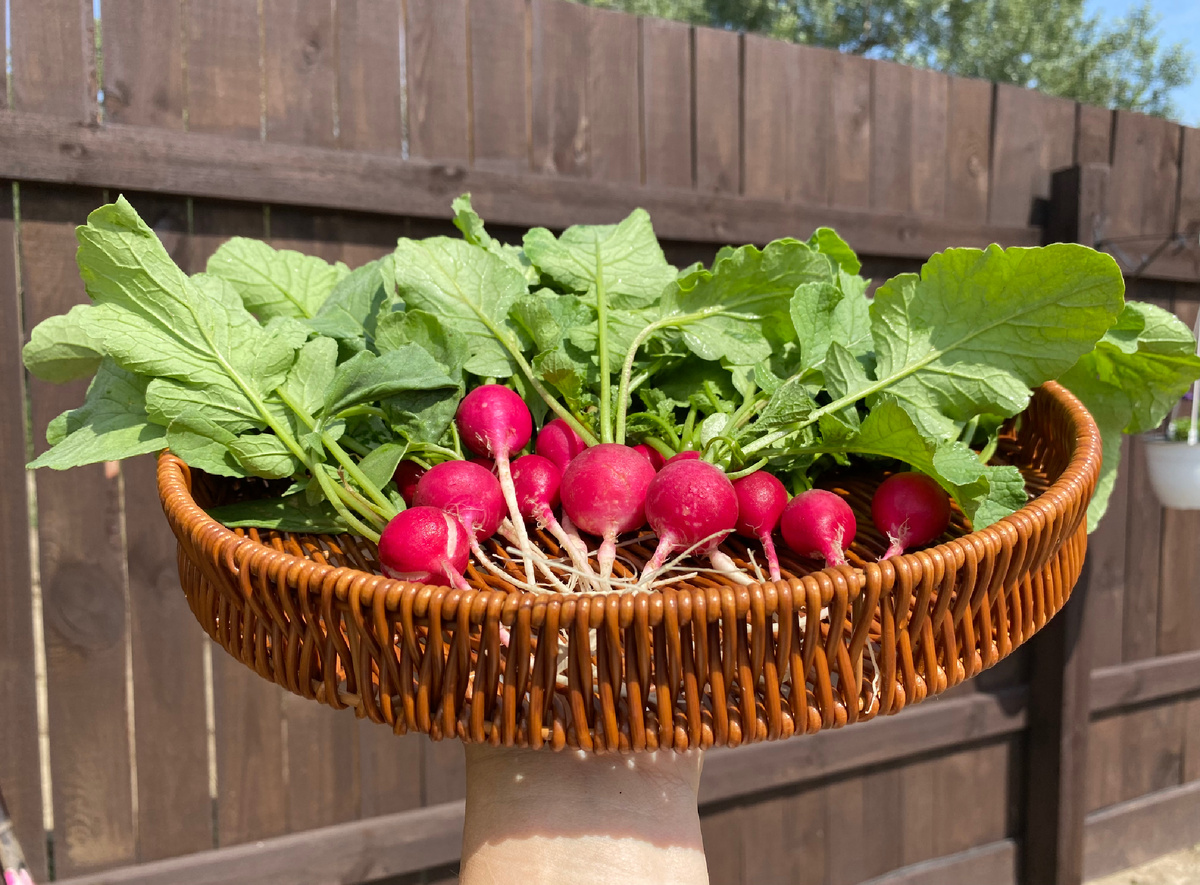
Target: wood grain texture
[(1143, 544), (850, 162), (1191, 741), (916, 813), (613, 99), (499, 81), (867, 804), (224, 75), (1034, 135), (1189, 181), (786, 837), (4, 73), (1160, 679), (558, 87), (1104, 762), (909, 116), (971, 790), (1145, 160), (667, 103), (389, 768), (991, 864), (300, 71), (20, 771), (143, 78), (53, 58), (771, 78), (1093, 136), (1152, 747), (969, 120), (722, 833), (368, 75), (1179, 602), (435, 38), (1132, 833), (718, 136), (811, 129), (1106, 553), (82, 564)]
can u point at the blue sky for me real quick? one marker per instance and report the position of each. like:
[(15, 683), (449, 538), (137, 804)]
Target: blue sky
[(1180, 23)]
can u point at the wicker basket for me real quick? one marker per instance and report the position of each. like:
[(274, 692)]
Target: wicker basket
[(701, 663)]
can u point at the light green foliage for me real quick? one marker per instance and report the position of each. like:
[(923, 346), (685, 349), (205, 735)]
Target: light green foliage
[(1055, 46), (275, 282)]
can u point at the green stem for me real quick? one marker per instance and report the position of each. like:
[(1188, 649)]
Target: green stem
[(362, 409), (331, 492), (355, 446), (606, 427), (663, 424), (689, 426)]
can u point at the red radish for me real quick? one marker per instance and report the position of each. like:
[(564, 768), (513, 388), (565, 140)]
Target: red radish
[(819, 523), (651, 455), (536, 481), (493, 421), (467, 492), (685, 455), (486, 463), (761, 499), (911, 509), (559, 442), (425, 545), (604, 492), (690, 504), (406, 476)]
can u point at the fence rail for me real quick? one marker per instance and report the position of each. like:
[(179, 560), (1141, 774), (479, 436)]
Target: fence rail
[(336, 127)]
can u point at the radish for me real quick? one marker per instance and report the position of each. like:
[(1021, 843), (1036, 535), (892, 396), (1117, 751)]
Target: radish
[(685, 455), (425, 545), (494, 422), (559, 442), (819, 523), (691, 505), (761, 499), (467, 492), (604, 492), (406, 476), (651, 455), (536, 481), (911, 509)]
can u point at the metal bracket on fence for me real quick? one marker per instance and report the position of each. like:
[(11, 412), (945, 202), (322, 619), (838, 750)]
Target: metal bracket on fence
[(1180, 240)]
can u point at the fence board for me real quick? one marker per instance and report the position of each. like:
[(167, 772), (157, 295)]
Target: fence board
[(559, 88), (718, 134), (1106, 584), (1105, 763), (1093, 136), (143, 78), (1034, 135), (20, 771), (389, 768), (972, 794), (435, 34), (969, 121), (224, 80), (445, 772), (300, 71), (811, 132), (863, 836), (667, 75), (722, 834), (82, 561), (613, 101), (1189, 182), (1152, 745), (917, 822), (909, 115), (499, 83), (368, 67), (773, 68), (53, 58), (1191, 741), (1145, 160), (850, 151), (1143, 539), (4, 73)]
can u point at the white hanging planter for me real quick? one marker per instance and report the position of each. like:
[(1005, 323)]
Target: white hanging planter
[(1174, 469)]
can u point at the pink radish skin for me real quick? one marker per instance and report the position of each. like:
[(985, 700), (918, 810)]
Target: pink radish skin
[(911, 509), (689, 503), (685, 455), (536, 481), (467, 492), (819, 523), (406, 476), (761, 500), (559, 442), (425, 545), (494, 422), (604, 492), (651, 455)]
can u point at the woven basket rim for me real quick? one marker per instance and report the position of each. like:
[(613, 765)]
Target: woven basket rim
[(1078, 478)]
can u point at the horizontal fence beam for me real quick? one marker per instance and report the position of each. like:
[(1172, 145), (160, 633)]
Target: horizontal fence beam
[(991, 864), (44, 149), (1153, 679), (1131, 833)]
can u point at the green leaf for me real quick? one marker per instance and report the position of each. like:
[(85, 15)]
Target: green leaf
[(351, 311), (275, 282), (978, 329), (469, 290), (63, 348), (792, 402), (380, 463), (110, 425), (826, 241), (312, 374), (625, 259), (449, 347), (623, 327), (292, 513), (471, 225), (564, 374), (265, 455), (368, 378), (1132, 391), (203, 444), (713, 426), (423, 416)]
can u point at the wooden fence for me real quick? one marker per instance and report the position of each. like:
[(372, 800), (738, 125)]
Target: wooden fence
[(336, 127)]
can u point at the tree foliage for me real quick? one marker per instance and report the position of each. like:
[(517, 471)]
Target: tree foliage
[(1055, 46)]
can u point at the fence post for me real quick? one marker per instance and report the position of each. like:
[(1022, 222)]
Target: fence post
[(1059, 690)]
